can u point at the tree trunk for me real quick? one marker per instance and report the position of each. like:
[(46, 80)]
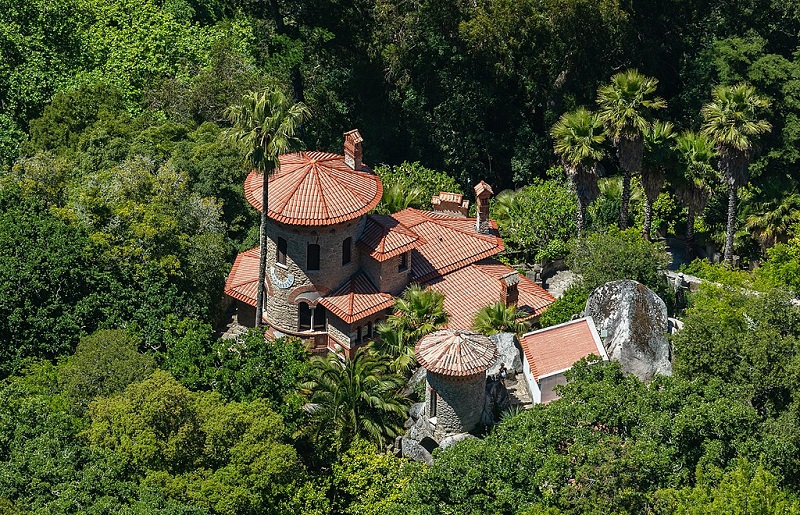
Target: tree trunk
[(626, 197), (731, 223), (648, 219), (690, 234), (262, 255)]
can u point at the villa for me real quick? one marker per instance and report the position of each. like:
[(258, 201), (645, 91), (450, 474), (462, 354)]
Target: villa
[(334, 269)]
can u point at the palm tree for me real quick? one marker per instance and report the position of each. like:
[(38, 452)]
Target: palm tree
[(731, 120), (394, 343), (498, 318), (264, 126), (694, 185), (657, 158), (773, 222), (577, 137), (418, 311), (399, 196), (624, 107), (355, 397)]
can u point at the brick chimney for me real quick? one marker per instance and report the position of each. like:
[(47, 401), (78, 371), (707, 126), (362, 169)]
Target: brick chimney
[(352, 149), (482, 193), (510, 288), (450, 203)]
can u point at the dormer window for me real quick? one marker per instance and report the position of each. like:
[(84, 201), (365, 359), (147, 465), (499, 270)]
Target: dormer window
[(312, 257), (403, 266), (347, 245), (280, 254)]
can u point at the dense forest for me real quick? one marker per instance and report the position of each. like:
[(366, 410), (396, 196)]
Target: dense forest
[(122, 208)]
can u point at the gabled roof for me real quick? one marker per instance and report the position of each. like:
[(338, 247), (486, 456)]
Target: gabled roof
[(456, 352), (315, 188), (449, 243), (555, 349), (467, 290), (356, 299), (384, 237), (242, 281)]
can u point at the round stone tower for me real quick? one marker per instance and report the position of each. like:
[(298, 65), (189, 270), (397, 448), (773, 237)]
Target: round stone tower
[(456, 361), (316, 207)]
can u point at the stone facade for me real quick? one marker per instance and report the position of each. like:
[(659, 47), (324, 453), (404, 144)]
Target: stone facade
[(287, 281), (459, 402), (386, 275)]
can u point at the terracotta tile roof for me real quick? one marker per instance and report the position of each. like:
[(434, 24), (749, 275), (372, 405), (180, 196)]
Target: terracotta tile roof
[(456, 352), (384, 237), (356, 299), (242, 281), (555, 349), (469, 289), (315, 188), (450, 243)]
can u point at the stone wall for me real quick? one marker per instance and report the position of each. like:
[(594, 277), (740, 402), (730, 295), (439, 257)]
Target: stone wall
[(459, 402), (280, 312), (386, 275)]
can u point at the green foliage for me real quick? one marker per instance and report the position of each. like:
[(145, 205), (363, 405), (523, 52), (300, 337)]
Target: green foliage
[(499, 318), (782, 266), (418, 311), (617, 255), (411, 185), (104, 363), (354, 397), (537, 221), (366, 482), (571, 302)]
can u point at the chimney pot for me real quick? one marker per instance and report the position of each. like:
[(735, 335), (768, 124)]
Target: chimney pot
[(353, 149)]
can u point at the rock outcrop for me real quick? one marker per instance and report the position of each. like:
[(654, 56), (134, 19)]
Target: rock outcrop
[(508, 353), (634, 320)]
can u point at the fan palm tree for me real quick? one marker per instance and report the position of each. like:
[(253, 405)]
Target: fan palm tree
[(694, 184), (577, 137), (624, 108), (774, 222), (731, 121), (657, 158), (498, 318), (355, 397), (418, 311), (264, 126), (399, 196)]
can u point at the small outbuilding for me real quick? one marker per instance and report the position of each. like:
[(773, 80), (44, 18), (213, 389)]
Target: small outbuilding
[(549, 352), (455, 361)]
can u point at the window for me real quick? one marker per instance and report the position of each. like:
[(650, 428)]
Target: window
[(369, 329), (403, 262), (432, 404), (304, 317), (281, 253), (346, 246), (312, 257), (358, 334)]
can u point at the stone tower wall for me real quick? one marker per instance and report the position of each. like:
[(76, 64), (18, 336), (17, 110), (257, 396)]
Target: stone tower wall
[(459, 401), (332, 273)]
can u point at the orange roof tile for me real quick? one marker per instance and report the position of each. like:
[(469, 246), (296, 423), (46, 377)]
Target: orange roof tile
[(450, 243), (384, 237), (555, 349), (242, 281), (456, 352), (356, 299), (467, 290), (315, 188)]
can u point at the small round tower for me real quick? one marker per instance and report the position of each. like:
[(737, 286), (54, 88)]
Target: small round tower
[(456, 361)]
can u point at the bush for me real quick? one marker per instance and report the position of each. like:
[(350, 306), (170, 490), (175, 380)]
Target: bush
[(572, 302)]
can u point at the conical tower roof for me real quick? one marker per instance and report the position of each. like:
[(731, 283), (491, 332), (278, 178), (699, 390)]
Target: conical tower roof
[(456, 352)]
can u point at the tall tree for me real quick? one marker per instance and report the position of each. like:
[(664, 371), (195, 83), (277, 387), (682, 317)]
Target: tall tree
[(657, 158), (731, 120), (354, 397), (624, 107), (499, 318), (694, 185), (264, 126), (577, 138)]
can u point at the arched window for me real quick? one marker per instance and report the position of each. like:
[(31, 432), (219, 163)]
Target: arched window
[(280, 255), (304, 317), (312, 257), (347, 245), (319, 317)]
